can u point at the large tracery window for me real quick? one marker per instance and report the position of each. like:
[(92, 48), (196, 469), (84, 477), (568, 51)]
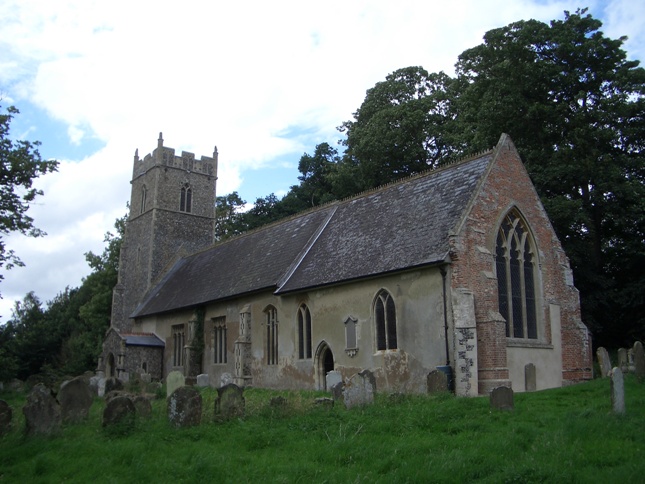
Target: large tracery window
[(515, 261), (385, 318)]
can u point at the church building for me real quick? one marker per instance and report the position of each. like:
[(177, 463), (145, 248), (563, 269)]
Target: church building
[(457, 269)]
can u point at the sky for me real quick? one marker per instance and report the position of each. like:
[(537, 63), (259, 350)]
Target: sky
[(263, 81)]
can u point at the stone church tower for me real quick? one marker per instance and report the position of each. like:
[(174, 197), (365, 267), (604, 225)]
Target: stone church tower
[(172, 213)]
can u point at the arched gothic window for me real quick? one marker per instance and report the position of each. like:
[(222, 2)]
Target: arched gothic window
[(144, 196), (304, 332), (271, 315), (186, 200), (385, 318), (515, 261)]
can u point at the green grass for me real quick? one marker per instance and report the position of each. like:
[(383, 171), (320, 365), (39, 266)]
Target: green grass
[(561, 435)]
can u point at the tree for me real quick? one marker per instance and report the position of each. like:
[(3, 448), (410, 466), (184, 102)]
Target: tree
[(575, 107), (20, 165), (228, 216), (404, 126)]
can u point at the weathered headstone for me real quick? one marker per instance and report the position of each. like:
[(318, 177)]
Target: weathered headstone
[(185, 407), (174, 380), (603, 361), (437, 381), (146, 378), (230, 402), (332, 378), (501, 398), (112, 384), (530, 379), (337, 392), (639, 361), (5, 417), (225, 379), (623, 363), (630, 359), (142, 406), (42, 411), (75, 398), (203, 380), (119, 412), (94, 385), (359, 389), (617, 391)]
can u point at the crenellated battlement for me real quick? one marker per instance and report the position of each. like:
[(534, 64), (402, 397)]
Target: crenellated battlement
[(165, 156)]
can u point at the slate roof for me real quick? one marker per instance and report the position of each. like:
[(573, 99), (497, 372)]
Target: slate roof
[(396, 227), (142, 339)]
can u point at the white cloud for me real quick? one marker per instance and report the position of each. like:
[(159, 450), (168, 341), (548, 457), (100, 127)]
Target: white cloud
[(264, 81)]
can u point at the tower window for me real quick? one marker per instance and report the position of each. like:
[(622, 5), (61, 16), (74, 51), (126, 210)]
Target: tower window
[(186, 200), (144, 196)]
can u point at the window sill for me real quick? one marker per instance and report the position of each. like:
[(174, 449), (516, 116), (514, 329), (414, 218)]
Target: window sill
[(527, 343)]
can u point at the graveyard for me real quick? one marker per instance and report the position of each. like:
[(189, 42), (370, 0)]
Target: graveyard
[(229, 434)]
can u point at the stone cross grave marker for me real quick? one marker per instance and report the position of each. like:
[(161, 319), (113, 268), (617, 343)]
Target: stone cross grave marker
[(603, 361), (617, 391)]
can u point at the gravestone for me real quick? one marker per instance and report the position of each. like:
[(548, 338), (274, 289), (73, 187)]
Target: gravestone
[(617, 391), (603, 361), (5, 417), (359, 389), (230, 402), (337, 392), (174, 380), (75, 398), (332, 378), (530, 380), (639, 361), (437, 382), (185, 407), (142, 406), (146, 378), (324, 402), (225, 379), (112, 384), (630, 359), (278, 401), (42, 411), (94, 385), (623, 363), (119, 412), (203, 380), (501, 398)]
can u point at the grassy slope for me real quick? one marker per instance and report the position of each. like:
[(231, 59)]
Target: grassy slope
[(566, 434)]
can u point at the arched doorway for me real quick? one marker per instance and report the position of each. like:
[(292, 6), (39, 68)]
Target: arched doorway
[(324, 363), (109, 366)]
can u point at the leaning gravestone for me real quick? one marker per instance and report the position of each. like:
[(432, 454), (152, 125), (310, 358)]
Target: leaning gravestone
[(501, 398), (230, 402), (359, 389), (530, 380), (5, 417), (119, 412), (42, 411), (603, 361), (623, 363), (617, 391), (437, 382), (639, 361), (185, 407), (75, 398), (174, 380)]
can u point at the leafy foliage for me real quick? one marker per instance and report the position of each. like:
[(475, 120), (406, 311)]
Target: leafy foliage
[(20, 165)]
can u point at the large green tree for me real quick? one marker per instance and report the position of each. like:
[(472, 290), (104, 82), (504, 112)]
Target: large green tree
[(575, 107), (20, 165)]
